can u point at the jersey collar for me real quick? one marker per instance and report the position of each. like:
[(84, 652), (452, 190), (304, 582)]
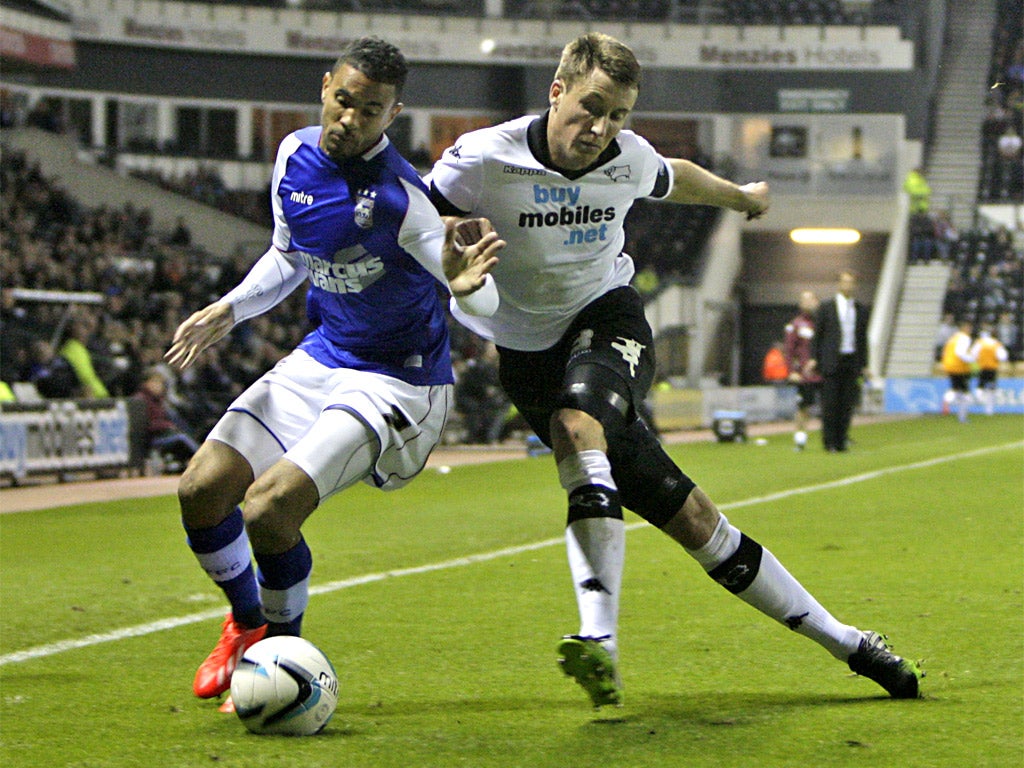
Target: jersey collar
[(537, 140)]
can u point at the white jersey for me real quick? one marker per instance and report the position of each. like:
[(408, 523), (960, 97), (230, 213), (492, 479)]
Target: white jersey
[(564, 232)]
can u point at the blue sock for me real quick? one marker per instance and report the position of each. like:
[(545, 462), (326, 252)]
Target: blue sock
[(223, 552), (284, 588)]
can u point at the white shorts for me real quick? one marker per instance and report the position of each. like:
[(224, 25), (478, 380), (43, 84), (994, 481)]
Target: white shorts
[(302, 410)]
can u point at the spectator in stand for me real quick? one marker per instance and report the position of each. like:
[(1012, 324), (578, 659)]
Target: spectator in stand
[(916, 185), (997, 117), (17, 330), (116, 358), (1009, 147), (1008, 331), (989, 353), (76, 351), (799, 344), (51, 373), (181, 235), (946, 235), (164, 432), (922, 238), (1014, 71)]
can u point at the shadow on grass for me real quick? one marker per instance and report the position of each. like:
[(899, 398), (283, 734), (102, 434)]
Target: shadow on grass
[(719, 708)]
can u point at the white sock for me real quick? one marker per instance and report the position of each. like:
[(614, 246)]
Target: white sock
[(597, 549), (963, 402), (773, 590), (596, 546)]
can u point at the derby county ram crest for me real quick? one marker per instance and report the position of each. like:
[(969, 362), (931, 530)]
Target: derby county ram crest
[(363, 214)]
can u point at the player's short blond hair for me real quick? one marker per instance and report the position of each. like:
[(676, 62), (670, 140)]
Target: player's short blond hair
[(596, 50)]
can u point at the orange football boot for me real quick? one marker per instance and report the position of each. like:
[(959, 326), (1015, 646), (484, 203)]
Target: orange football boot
[(214, 675)]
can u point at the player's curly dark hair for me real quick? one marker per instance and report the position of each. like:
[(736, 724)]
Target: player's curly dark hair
[(596, 50), (378, 59)]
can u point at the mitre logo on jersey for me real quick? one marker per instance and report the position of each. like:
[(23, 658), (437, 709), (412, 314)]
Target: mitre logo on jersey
[(301, 198), (572, 215), (352, 270), (363, 213)]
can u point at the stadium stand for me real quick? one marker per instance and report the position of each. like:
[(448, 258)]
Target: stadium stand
[(51, 241)]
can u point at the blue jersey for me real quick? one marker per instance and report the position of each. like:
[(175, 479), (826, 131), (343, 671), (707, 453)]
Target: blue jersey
[(369, 238)]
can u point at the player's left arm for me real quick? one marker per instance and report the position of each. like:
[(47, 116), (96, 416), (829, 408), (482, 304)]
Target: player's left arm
[(695, 185)]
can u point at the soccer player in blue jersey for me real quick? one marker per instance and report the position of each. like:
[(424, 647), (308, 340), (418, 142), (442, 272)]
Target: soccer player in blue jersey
[(365, 395), (576, 354)]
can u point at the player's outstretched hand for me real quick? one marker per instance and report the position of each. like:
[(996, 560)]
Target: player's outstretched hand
[(203, 328), (757, 199), (470, 252)]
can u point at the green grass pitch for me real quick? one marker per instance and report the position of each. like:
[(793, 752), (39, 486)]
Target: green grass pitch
[(441, 606)]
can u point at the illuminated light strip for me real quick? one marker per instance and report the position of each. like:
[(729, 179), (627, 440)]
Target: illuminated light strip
[(824, 236)]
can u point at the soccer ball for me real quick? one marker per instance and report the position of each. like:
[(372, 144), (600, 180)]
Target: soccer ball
[(284, 685)]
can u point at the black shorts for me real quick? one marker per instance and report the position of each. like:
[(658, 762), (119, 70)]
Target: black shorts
[(807, 394), (960, 382), (611, 331), (987, 378)]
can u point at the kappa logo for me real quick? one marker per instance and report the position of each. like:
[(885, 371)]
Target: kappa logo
[(363, 213), (630, 350), (594, 584), (618, 172), (795, 622), (455, 151), (518, 170)]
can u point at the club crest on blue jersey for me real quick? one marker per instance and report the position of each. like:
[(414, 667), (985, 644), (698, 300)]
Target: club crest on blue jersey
[(363, 213)]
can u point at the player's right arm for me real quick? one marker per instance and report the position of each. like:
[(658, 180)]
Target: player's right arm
[(275, 275), (693, 184)]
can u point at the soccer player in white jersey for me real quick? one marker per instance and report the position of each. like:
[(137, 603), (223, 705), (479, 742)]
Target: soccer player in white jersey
[(366, 393), (576, 353)]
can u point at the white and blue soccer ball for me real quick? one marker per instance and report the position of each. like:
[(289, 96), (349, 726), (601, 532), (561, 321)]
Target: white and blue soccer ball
[(284, 685)]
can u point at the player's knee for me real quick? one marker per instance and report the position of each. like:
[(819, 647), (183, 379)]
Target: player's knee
[(209, 489), (576, 428), (649, 482), (600, 394), (267, 521), (276, 505)]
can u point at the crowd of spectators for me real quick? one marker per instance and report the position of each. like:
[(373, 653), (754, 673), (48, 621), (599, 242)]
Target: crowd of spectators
[(149, 280), (987, 285), (1002, 175), (206, 186)]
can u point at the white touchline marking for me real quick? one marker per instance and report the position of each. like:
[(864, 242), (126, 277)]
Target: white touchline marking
[(139, 630)]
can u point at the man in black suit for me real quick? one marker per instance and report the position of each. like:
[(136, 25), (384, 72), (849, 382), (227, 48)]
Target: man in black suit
[(841, 356)]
